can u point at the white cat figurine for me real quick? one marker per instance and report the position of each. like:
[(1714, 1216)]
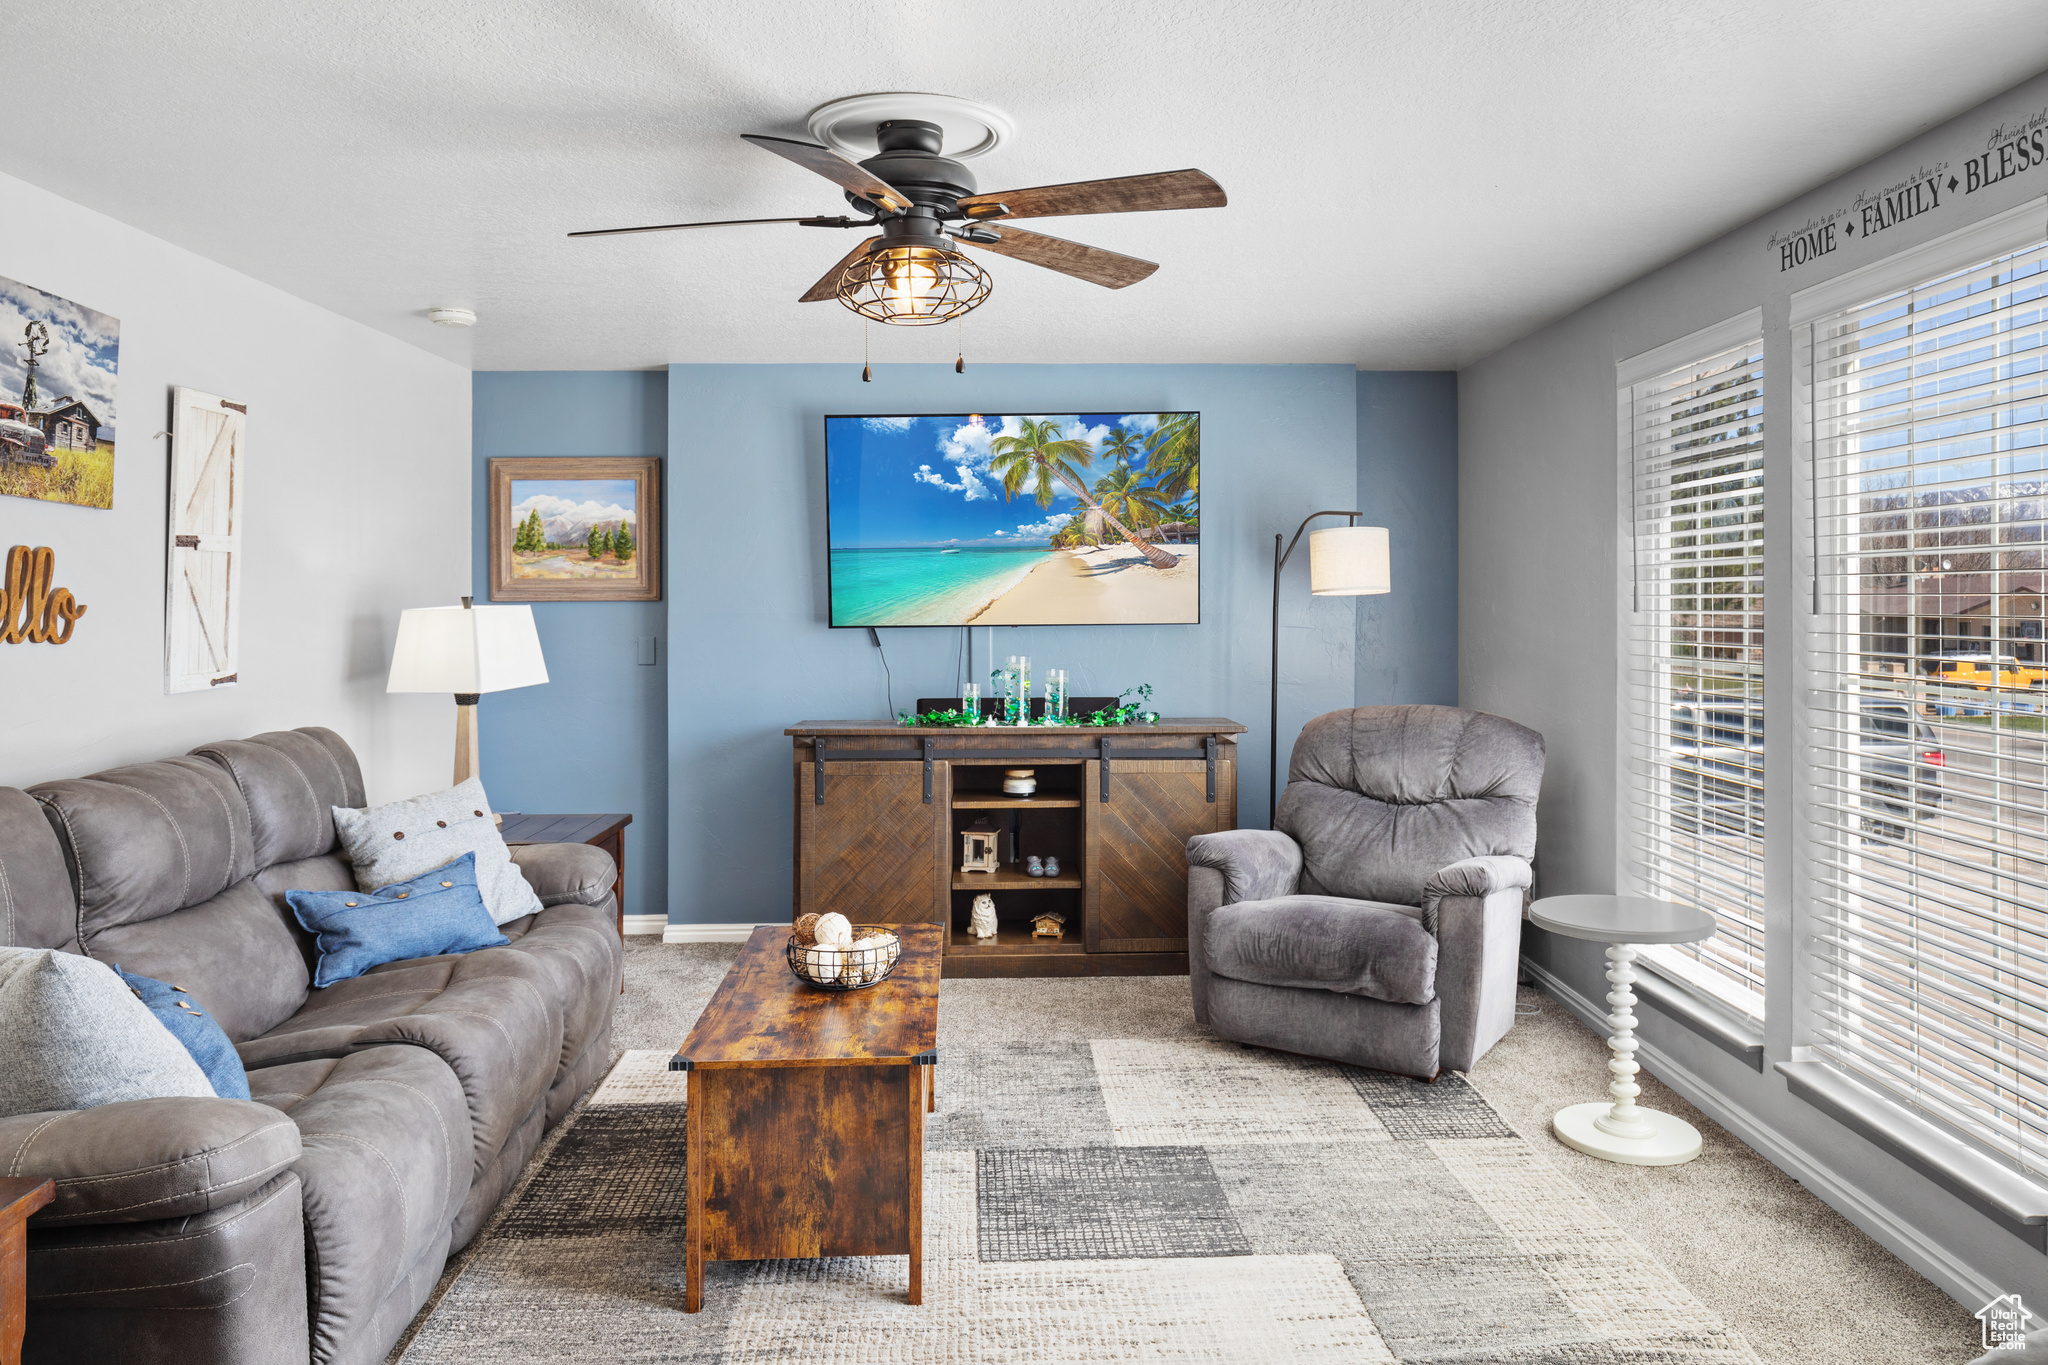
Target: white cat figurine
[(983, 922)]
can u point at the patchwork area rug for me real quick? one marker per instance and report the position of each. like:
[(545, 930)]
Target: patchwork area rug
[(1111, 1200)]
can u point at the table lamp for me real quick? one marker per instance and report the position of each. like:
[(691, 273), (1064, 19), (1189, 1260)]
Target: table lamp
[(1343, 561), (467, 650)]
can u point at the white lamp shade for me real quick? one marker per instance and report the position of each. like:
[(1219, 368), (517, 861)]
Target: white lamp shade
[(1349, 561), (466, 649)]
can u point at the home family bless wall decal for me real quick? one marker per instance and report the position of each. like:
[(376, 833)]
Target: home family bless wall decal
[(57, 366), (2009, 149), (32, 612)]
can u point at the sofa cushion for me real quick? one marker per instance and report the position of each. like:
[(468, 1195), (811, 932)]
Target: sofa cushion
[(386, 1168), (195, 1031), (492, 1016), (75, 1037), (561, 873), (1380, 797), (146, 840), (36, 905), (439, 912), (1325, 943), (291, 780), (237, 954), (400, 840), (138, 1160), (579, 946)]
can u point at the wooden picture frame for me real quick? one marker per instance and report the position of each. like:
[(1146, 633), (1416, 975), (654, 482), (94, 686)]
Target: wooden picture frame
[(545, 512)]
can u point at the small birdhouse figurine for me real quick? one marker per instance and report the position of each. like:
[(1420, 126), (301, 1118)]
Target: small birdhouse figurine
[(978, 847), (1051, 924)]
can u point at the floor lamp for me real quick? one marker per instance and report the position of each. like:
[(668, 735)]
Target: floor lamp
[(1343, 561), (467, 650)]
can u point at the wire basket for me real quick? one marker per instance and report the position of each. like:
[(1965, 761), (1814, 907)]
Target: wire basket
[(846, 969)]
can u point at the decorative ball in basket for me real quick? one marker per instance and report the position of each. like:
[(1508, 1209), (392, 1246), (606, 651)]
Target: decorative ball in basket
[(828, 952)]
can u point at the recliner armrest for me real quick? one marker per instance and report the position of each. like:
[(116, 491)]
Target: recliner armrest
[(1473, 878), (1257, 864), (139, 1160), (560, 873)]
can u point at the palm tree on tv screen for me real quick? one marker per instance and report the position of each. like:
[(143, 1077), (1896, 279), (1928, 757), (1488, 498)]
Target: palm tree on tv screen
[(1123, 446), (1039, 453), (1173, 454), (1122, 493)]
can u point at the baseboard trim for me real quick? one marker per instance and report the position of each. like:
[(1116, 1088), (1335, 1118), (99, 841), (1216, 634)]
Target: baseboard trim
[(708, 933), (646, 924), (1903, 1240)]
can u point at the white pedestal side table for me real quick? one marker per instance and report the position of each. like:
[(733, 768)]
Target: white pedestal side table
[(1621, 1131)]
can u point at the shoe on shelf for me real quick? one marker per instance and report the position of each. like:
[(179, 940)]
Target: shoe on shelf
[(1033, 868), (1052, 867)]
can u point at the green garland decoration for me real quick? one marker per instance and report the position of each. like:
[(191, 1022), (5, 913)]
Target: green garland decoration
[(1129, 709)]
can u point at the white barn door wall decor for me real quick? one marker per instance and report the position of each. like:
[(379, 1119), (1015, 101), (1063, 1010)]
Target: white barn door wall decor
[(203, 601)]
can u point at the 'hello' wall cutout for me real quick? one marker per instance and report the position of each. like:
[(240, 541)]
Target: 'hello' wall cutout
[(31, 611)]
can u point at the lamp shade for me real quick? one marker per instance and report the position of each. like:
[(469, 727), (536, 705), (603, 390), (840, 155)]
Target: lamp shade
[(1349, 561), (466, 649)]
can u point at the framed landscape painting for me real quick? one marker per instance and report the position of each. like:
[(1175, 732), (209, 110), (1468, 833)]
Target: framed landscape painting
[(58, 360), (576, 529)]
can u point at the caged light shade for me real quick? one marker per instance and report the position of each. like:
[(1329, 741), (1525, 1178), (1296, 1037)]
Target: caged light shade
[(912, 285), (1349, 561)]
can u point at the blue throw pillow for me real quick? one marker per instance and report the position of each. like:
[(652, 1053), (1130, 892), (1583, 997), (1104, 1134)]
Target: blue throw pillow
[(437, 912), (195, 1028)]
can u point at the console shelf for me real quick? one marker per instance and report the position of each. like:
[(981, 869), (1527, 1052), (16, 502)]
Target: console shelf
[(879, 810)]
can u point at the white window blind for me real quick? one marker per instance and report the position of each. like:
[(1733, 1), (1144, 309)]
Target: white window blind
[(1693, 823), (1927, 689)]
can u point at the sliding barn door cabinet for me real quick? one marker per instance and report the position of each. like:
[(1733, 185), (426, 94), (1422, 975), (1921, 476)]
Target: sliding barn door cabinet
[(880, 810)]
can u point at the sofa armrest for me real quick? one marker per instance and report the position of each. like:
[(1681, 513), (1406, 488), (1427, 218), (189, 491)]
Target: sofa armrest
[(1474, 878), (1475, 909), (560, 873), (140, 1160), (1257, 864)]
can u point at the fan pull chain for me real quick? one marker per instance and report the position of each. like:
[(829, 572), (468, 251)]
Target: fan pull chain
[(866, 375), (960, 344)]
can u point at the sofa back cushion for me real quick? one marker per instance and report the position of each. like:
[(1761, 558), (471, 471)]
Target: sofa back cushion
[(291, 780), (160, 856), (1380, 797), (36, 907), (146, 840)]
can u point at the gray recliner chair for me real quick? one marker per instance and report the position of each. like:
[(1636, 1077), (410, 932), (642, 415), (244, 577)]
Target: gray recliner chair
[(1380, 922)]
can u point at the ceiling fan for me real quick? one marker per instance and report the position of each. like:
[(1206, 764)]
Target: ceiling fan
[(923, 202)]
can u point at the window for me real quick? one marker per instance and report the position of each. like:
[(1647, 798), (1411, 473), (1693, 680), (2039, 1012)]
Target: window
[(1927, 696), (1693, 655)]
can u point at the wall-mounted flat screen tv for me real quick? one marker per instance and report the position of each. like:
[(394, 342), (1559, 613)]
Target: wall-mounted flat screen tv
[(1025, 519)]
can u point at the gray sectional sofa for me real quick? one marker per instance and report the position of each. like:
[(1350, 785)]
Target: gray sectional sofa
[(391, 1112)]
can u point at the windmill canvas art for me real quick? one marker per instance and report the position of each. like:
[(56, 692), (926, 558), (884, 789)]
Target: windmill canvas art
[(58, 361), (574, 528)]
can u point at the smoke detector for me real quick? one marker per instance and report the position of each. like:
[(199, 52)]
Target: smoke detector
[(452, 317)]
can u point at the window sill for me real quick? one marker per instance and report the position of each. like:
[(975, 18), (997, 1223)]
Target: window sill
[(1681, 1003), (2018, 1201)]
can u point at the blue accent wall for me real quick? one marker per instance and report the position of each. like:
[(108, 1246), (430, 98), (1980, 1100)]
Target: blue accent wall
[(698, 742), (1408, 482), (594, 737)]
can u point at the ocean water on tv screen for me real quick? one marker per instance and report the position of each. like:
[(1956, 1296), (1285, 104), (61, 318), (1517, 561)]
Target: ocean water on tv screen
[(923, 586)]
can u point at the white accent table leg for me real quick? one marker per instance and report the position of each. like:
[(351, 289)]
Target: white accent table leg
[(1619, 1130)]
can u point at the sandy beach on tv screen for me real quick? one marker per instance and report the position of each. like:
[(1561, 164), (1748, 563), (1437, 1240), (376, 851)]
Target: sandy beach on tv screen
[(1112, 585)]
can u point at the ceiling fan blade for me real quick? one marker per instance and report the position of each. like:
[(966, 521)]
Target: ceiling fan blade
[(1091, 263), (827, 286), (1125, 194), (834, 167), (725, 222)]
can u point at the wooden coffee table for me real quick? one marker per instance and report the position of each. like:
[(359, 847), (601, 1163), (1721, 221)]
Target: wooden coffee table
[(806, 1124)]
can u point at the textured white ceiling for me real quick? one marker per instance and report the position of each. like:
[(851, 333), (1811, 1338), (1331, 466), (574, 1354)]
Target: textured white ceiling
[(1412, 184)]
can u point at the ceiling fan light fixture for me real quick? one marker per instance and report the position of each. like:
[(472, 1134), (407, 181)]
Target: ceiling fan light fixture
[(913, 285)]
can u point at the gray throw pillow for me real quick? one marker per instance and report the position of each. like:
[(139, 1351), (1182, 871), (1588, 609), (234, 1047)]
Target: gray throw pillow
[(407, 839), (77, 1037)]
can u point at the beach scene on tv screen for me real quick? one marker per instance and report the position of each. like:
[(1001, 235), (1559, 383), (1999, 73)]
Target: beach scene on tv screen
[(1015, 520)]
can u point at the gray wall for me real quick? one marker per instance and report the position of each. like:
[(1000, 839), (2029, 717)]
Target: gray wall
[(1537, 638), (356, 455)]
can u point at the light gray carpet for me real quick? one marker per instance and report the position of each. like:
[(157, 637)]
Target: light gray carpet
[(1106, 1182)]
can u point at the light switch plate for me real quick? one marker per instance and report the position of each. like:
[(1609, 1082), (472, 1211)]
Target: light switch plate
[(644, 650)]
